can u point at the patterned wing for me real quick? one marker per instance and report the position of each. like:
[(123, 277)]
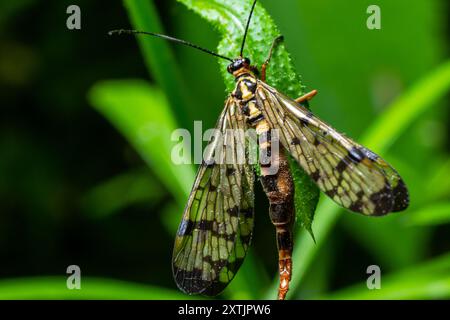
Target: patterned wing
[(350, 174), (215, 233)]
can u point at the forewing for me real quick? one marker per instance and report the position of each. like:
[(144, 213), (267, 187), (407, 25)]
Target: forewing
[(214, 235), (350, 174)]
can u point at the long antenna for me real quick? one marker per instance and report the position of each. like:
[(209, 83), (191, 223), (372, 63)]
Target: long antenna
[(246, 27), (123, 31)]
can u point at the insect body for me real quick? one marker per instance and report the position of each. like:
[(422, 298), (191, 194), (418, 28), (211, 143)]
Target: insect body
[(216, 229), (215, 232), (278, 185)]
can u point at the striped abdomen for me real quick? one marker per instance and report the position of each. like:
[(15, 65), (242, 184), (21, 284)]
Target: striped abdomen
[(278, 185)]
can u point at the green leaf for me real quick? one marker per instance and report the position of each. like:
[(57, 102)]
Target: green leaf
[(160, 59), (250, 282), (55, 287), (435, 214), (111, 196), (388, 240), (430, 280), (438, 186), (142, 114), (229, 17), (305, 202), (405, 109)]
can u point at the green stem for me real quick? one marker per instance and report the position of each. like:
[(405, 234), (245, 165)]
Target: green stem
[(55, 287), (160, 60)]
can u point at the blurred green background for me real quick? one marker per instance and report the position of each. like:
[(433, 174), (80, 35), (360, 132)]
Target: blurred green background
[(85, 121)]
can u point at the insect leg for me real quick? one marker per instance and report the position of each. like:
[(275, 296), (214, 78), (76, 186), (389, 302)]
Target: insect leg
[(279, 188), (306, 97), (275, 42)]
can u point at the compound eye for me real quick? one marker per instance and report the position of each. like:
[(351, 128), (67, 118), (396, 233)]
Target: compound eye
[(247, 61)]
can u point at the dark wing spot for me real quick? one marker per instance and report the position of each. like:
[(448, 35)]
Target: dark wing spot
[(316, 142), (401, 196), (204, 225), (230, 171), (331, 193), (341, 166), (233, 211), (295, 141), (228, 237), (190, 281), (186, 227), (315, 175), (383, 201), (215, 232), (304, 121), (356, 155), (208, 259), (357, 206)]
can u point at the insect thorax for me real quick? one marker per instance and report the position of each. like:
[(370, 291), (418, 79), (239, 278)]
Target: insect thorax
[(244, 93)]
